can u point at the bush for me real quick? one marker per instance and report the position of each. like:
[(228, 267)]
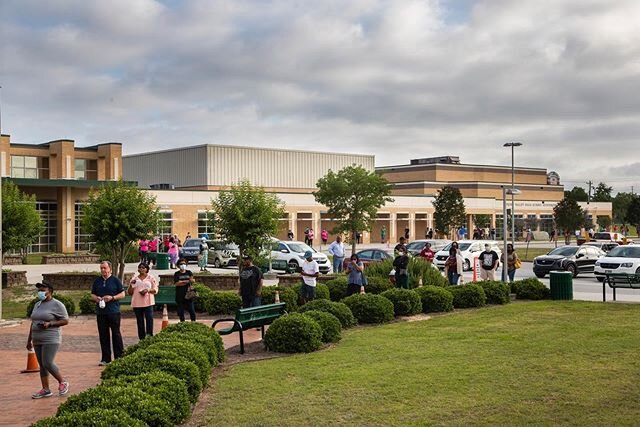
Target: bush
[(379, 269), (405, 302), (331, 329), (224, 303), (370, 308), (189, 351), (204, 297), (532, 289), (165, 386), (496, 292), (203, 342), (93, 417), (337, 288), (467, 296), (293, 333), (435, 299), (199, 328), (338, 309), (137, 403), (68, 304), (322, 290), (87, 305), (433, 277), (287, 296), (153, 360), (378, 285)]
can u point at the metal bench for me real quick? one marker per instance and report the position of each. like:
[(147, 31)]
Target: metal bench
[(252, 317), (166, 295), (619, 280)]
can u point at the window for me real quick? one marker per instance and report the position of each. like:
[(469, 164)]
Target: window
[(85, 169), (366, 255), (47, 240), (83, 240), (165, 226), (205, 224), (29, 167)]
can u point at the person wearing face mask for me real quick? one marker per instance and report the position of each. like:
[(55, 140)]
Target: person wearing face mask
[(401, 265), (488, 263), (143, 288), (45, 337), (182, 279)]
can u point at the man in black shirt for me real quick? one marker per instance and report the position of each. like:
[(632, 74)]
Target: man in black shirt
[(488, 263), (400, 246), (183, 278), (250, 283)]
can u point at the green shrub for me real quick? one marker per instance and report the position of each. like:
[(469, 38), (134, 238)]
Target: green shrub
[(203, 342), (68, 304), (338, 309), (379, 269), (378, 285), (204, 297), (435, 299), (93, 417), (331, 328), (532, 289), (137, 403), (199, 328), (370, 308), (224, 303), (496, 292), (287, 296), (165, 386), (322, 290), (433, 277), (405, 301), (188, 351), (152, 360), (467, 296), (87, 305), (293, 333), (337, 288)]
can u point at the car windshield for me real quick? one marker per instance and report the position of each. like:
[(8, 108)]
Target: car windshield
[(230, 247), (602, 236), (299, 247), (625, 252), (415, 245), (566, 251), (463, 246)]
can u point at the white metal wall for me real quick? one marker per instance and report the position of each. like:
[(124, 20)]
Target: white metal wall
[(182, 167)]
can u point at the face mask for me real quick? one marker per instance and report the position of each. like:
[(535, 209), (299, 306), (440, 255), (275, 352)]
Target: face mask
[(42, 295), (182, 267)]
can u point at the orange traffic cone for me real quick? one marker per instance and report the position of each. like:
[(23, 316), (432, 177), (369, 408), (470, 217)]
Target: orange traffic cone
[(165, 317), (361, 289), (32, 363), (277, 297)]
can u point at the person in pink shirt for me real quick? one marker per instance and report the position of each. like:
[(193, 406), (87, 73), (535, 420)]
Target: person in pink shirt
[(311, 237), (143, 288), (173, 252), (153, 247), (324, 235), (143, 251)]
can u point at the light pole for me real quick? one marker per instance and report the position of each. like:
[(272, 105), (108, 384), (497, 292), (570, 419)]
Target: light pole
[(513, 179), (505, 191)]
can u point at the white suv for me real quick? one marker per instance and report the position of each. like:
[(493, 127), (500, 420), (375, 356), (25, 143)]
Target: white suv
[(293, 253), (623, 259), (469, 249)]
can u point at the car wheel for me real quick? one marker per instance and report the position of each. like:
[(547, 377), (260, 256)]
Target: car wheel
[(467, 265), (217, 263), (540, 275), (572, 269), (637, 270), (294, 266)]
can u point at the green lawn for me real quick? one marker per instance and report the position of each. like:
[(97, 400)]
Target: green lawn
[(540, 363), (531, 253)]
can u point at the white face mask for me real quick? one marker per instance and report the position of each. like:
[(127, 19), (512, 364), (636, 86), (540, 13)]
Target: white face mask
[(182, 267)]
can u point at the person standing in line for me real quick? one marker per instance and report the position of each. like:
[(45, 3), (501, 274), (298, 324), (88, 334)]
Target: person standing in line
[(337, 250), (290, 235), (492, 233), (143, 288), (188, 236), (430, 235), (310, 236), (324, 235), (45, 337), (358, 237), (106, 292), (306, 235), (354, 275), (173, 252), (401, 245), (488, 263), (427, 253), (406, 233), (203, 256), (310, 272), (143, 250), (454, 267), (383, 234), (513, 262), (165, 243), (153, 248), (251, 280), (401, 265), (183, 279)]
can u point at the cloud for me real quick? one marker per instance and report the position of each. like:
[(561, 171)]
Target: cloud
[(397, 78)]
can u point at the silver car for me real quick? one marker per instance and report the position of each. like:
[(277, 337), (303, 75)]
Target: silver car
[(222, 254)]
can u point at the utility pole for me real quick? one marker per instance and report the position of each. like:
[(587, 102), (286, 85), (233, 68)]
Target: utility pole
[(589, 183)]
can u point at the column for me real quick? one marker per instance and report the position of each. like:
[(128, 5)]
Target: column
[(393, 237), (470, 226), (293, 221), (66, 220), (412, 226)]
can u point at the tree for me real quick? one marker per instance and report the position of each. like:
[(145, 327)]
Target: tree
[(449, 209), (604, 221), (602, 193), (577, 194), (117, 216), (620, 205), (248, 217), (21, 223), (568, 216), (633, 212), (353, 196), (482, 220)]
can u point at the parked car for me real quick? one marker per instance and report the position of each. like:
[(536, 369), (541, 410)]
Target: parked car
[(293, 253), (608, 236), (574, 259), (222, 254), (470, 249), (603, 245), (190, 249), (623, 259), (367, 256), (416, 246)]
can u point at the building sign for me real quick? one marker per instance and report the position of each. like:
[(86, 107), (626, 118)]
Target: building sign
[(553, 178)]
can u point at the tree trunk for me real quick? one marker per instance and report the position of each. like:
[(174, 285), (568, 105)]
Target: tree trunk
[(354, 241)]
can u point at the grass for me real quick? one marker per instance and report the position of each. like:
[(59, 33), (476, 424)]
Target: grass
[(531, 253), (539, 363)]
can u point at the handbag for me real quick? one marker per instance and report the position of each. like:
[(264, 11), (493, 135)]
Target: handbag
[(191, 293), (517, 263)]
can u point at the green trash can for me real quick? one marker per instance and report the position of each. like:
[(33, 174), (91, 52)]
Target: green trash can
[(561, 285), (162, 261)]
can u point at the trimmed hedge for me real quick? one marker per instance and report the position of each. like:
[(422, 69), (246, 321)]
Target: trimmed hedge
[(331, 329), (433, 277), (496, 292), (137, 403), (532, 288), (86, 304), (199, 328), (223, 303), (188, 351), (68, 304), (203, 342), (370, 308), (467, 296), (405, 302), (322, 290), (377, 285), (337, 288), (435, 299), (93, 417), (338, 309), (293, 333), (287, 296), (204, 297)]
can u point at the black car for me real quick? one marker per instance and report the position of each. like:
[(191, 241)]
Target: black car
[(575, 259)]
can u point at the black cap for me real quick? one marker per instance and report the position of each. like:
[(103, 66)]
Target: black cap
[(44, 285)]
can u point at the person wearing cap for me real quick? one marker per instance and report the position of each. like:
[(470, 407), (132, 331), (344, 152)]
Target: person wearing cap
[(250, 283), (45, 337), (401, 265), (106, 292), (203, 256), (310, 271), (488, 263)]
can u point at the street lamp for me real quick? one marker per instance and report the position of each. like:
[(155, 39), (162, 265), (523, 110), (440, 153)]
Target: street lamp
[(513, 175), (505, 191)]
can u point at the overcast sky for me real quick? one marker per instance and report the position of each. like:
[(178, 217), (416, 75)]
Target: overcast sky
[(399, 79)]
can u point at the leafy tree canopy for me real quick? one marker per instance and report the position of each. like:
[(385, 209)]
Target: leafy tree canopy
[(449, 209), (604, 221), (633, 212), (568, 215), (602, 193), (21, 223), (621, 203), (577, 194)]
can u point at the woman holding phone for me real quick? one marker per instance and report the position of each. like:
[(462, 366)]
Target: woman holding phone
[(143, 288)]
